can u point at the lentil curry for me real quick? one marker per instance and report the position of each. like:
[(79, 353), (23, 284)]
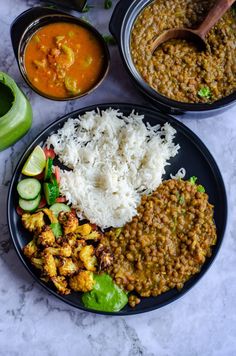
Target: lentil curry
[(177, 69), (165, 244), (63, 60)]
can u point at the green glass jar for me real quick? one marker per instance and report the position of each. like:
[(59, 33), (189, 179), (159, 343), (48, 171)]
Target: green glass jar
[(15, 112)]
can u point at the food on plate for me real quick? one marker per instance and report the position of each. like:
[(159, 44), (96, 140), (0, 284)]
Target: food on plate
[(105, 295), (166, 243), (113, 159), (158, 233), (177, 69), (35, 163), (63, 60)]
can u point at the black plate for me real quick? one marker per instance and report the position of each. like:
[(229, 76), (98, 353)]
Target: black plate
[(193, 156)]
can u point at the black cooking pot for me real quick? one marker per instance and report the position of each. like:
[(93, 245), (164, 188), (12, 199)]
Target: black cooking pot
[(122, 20)]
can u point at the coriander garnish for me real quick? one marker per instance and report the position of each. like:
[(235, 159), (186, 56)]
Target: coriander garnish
[(193, 179), (205, 92), (107, 4), (87, 8), (109, 39)]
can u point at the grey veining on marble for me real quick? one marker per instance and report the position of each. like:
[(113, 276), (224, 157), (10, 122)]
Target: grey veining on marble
[(32, 322)]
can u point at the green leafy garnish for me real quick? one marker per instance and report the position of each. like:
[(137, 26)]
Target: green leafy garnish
[(181, 200), (107, 4), (193, 179), (109, 39), (201, 189), (87, 8), (205, 92)]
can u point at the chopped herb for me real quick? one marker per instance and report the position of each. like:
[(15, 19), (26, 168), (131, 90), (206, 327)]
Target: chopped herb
[(201, 189), (204, 92), (193, 179), (107, 4), (181, 200), (87, 8), (109, 39)]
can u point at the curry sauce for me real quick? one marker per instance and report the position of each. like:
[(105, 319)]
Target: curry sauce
[(63, 60)]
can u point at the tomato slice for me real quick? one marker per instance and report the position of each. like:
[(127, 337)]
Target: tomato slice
[(73, 211), (61, 200), (42, 203), (57, 174), (93, 226), (49, 152), (19, 211), (40, 176)]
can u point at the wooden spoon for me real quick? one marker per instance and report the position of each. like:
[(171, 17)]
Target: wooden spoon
[(198, 35)]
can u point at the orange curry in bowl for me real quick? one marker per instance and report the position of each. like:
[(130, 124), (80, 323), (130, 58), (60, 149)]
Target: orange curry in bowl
[(63, 60)]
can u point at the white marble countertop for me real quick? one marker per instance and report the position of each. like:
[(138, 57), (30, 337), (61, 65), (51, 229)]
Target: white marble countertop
[(32, 322)]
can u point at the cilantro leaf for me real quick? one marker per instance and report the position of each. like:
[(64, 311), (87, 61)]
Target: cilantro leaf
[(193, 179), (109, 39), (201, 189), (107, 4), (205, 92), (87, 8)]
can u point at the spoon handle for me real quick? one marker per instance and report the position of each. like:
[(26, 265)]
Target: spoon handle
[(216, 12)]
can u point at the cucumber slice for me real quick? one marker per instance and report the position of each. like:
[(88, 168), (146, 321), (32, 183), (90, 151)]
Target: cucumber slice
[(58, 207), (30, 205), (29, 188), (56, 229), (48, 168), (51, 192)]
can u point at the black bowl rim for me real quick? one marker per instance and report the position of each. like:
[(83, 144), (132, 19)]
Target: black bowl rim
[(201, 147), (129, 18), (66, 17)]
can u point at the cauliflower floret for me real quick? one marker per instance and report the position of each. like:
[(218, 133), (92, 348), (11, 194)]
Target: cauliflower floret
[(84, 229), (46, 237), (69, 222), (49, 265), (88, 258), (50, 215), (95, 235), (61, 284), (37, 262), (62, 251), (82, 282), (33, 222), (67, 267), (77, 248), (30, 249)]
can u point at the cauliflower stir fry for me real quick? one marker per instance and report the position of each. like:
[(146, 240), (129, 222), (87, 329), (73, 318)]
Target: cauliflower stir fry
[(67, 261)]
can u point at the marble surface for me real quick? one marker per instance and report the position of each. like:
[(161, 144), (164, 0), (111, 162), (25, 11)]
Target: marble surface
[(32, 322)]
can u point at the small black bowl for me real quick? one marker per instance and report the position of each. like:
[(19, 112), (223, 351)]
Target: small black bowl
[(30, 21), (121, 24)]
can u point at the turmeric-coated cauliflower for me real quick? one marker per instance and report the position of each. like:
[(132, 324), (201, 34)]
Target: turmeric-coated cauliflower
[(50, 215), (84, 229), (46, 237), (88, 257), (69, 222), (37, 262), (30, 249), (49, 265), (82, 282), (33, 222), (67, 267), (62, 251), (61, 284)]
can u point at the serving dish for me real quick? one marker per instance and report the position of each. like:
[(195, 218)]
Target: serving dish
[(27, 24), (121, 25), (193, 156)]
